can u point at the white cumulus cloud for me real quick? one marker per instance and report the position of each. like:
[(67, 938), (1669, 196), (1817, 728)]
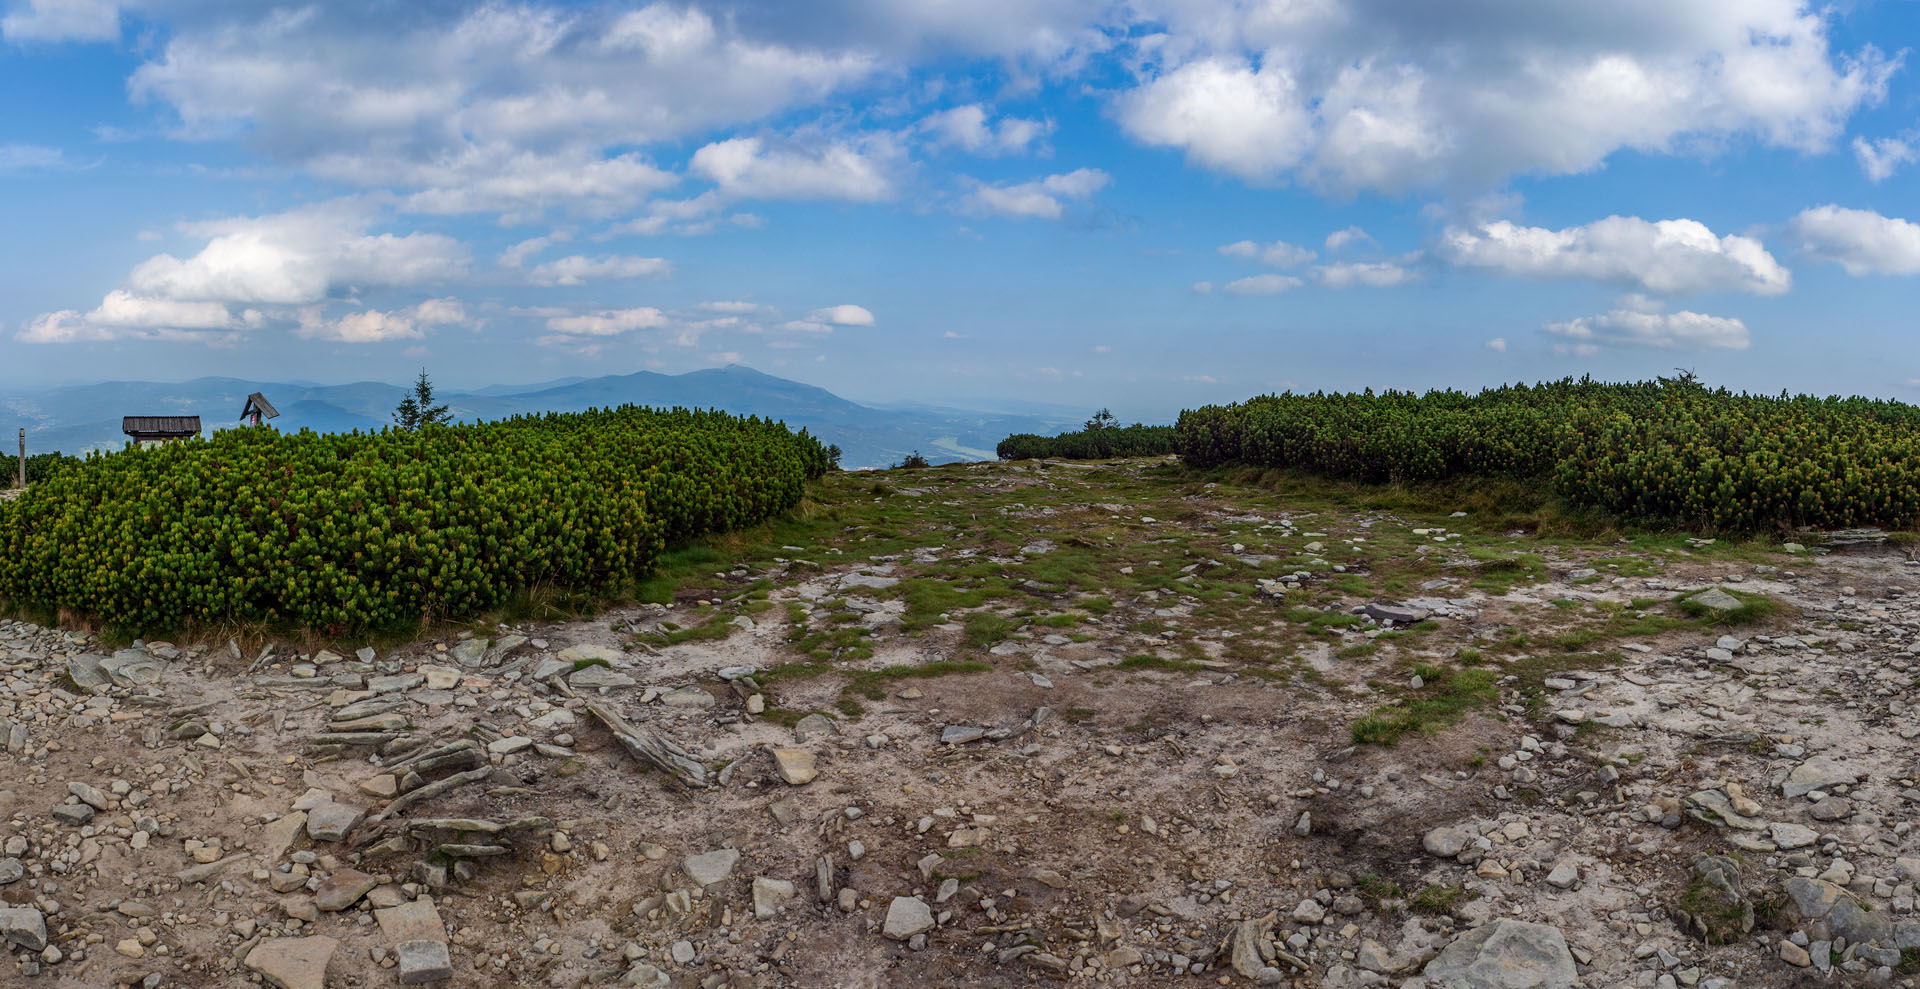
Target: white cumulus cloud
[(376, 326), (826, 168), (1341, 239), (1667, 256), (970, 129), (520, 105), (62, 20), (1278, 254), (1262, 285), (1879, 159), (843, 315), (517, 254), (824, 320), (1045, 199), (1637, 321), (1861, 241), (123, 308), (1374, 274), (1227, 113), (608, 322), (579, 269), (297, 258), (1347, 95)]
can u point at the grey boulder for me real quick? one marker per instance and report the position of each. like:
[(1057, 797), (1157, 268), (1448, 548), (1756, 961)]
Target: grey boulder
[(1506, 954)]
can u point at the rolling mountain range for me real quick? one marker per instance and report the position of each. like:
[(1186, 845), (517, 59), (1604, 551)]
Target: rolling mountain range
[(78, 418)]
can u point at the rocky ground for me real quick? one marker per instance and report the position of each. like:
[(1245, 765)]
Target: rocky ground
[(1005, 725)]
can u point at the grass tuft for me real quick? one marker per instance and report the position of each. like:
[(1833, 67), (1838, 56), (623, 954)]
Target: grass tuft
[(1753, 608), (1443, 703)]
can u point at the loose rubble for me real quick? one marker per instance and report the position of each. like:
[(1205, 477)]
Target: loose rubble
[(566, 804)]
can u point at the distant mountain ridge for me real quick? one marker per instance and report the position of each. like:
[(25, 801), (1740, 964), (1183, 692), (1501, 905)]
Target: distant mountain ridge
[(78, 418)]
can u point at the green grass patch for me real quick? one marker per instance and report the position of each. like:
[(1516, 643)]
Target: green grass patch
[(712, 630), (1437, 900), (1376, 889), (676, 567), (1753, 608), (983, 630), (1442, 703), (872, 684), (1144, 662), (868, 684)]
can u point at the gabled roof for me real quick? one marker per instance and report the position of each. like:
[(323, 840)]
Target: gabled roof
[(163, 425), (257, 402)]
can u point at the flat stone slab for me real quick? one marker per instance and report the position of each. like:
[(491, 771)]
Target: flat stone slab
[(509, 745), (1715, 807), (1788, 836), (795, 766), (596, 677), (86, 672), (1506, 954), (1401, 613), (294, 963), (1817, 773), (470, 652), (415, 921), (1717, 600), (687, 697), (343, 889), (768, 894), (579, 654), (133, 668), (907, 916), (961, 734), (423, 961), (334, 821), (710, 867), (398, 681), (281, 834)]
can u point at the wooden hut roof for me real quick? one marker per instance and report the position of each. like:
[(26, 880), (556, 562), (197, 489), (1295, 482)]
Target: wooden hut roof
[(257, 402), (160, 425)]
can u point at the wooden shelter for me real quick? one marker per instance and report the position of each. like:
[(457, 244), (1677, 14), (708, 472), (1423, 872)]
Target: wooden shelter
[(257, 410), (160, 429)]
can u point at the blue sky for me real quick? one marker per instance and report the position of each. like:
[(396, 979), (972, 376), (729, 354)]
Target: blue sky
[(1144, 204)]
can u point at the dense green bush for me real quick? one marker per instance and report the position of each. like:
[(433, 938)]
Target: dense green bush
[(39, 467), (1667, 450), (359, 531), (1090, 444)]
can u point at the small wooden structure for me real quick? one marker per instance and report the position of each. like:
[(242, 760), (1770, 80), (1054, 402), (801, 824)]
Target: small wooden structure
[(257, 410), (149, 430)]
